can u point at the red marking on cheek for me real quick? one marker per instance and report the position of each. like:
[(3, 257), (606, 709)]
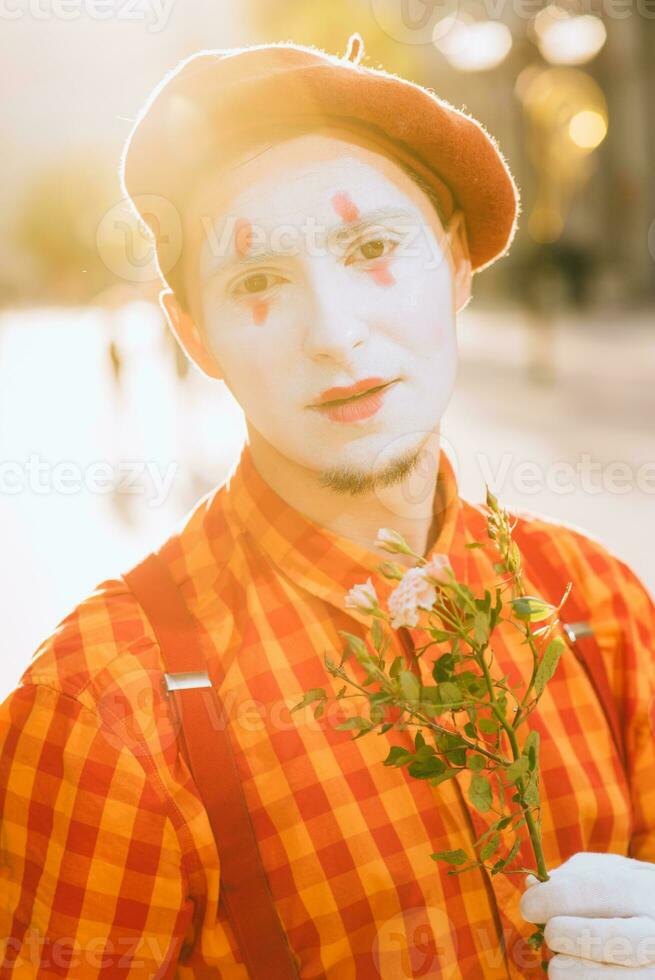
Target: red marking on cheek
[(344, 206), (242, 236), (260, 311), (382, 274)]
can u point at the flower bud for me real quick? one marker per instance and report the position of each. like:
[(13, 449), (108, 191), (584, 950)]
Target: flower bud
[(390, 540), (362, 597)]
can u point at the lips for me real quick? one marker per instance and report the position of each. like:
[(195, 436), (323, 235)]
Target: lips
[(336, 396), (361, 405)]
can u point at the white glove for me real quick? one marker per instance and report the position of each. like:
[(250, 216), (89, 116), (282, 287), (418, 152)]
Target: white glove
[(599, 913)]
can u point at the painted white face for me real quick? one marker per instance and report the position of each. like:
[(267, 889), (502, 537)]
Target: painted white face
[(356, 286)]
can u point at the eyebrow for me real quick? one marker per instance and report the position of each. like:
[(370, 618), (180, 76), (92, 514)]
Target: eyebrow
[(343, 231)]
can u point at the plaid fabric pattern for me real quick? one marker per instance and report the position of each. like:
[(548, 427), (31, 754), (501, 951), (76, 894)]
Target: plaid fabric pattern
[(108, 864)]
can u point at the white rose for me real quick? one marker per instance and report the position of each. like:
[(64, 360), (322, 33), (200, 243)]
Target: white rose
[(413, 592)]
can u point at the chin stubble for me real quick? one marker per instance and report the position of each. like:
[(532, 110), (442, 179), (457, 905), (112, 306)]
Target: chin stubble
[(354, 481)]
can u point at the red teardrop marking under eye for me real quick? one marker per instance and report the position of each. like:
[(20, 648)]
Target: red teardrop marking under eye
[(260, 309), (382, 274), (242, 236), (344, 206)]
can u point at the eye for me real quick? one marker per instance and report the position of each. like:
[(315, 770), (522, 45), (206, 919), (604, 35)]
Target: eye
[(253, 284), (376, 248)]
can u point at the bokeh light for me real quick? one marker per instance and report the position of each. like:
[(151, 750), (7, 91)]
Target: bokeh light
[(588, 129), (471, 45), (564, 39)]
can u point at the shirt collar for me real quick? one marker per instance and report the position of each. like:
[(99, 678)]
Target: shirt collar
[(317, 559)]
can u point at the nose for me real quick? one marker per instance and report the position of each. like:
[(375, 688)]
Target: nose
[(334, 327)]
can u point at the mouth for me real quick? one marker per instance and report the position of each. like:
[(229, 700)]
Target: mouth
[(356, 407), (376, 385)]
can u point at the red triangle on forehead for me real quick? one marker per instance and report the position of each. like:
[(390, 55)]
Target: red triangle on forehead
[(344, 206)]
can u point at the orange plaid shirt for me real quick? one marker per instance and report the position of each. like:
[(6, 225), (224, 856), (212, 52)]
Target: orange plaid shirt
[(109, 866)]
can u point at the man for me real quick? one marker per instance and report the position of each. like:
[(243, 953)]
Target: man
[(325, 256)]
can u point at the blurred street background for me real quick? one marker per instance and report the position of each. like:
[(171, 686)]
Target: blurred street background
[(555, 402)]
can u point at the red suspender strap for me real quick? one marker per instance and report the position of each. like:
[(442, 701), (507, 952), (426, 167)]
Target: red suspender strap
[(205, 743), (550, 581)]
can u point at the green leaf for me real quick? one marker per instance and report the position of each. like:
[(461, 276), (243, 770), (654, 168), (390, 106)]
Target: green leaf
[(356, 646), (474, 544), (490, 847), (548, 664), (448, 774), (430, 708), (476, 762), (503, 862), (394, 670), (450, 693), (350, 723), (377, 713), (410, 685), (443, 667), (480, 793), (449, 740), (531, 750), (470, 681), (536, 939), (517, 769), (456, 756), (377, 634), (441, 636), (488, 832), (398, 756), (315, 694), (531, 794), (488, 725), (496, 611), (451, 857), (509, 857), (480, 628), (531, 608), (426, 768)]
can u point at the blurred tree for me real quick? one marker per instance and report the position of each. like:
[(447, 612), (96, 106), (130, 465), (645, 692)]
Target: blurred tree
[(56, 226)]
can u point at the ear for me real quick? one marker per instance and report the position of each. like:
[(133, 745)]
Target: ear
[(188, 335), (459, 250)]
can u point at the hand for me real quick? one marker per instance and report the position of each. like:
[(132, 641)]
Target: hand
[(599, 913)]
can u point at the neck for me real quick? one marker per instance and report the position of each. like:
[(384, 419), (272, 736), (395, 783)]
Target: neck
[(406, 506)]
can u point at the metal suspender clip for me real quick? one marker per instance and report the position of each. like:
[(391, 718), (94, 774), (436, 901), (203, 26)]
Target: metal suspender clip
[(577, 631), (185, 680)]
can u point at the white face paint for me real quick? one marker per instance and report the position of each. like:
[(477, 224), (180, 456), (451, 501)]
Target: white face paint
[(376, 304)]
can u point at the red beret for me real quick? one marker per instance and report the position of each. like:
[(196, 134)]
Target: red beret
[(217, 102)]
